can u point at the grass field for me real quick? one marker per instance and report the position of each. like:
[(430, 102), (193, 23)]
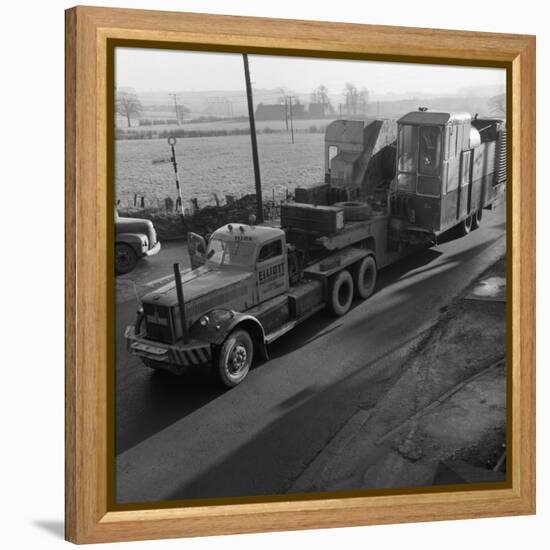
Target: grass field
[(221, 165), (261, 125)]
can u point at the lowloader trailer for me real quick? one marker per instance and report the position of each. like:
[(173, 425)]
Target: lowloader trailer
[(252, 284)]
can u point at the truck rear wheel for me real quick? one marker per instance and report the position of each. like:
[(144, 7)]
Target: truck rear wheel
[(465, 226), (476, 218), (235, 358), (364, 277), (125, 258), (341, 293)]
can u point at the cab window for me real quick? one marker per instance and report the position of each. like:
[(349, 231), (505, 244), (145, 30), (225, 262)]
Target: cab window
[(270, 250), (430, 150), (451, 143), (459, 137), (407, 148)]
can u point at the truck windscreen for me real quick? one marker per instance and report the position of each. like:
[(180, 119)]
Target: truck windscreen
[(230, 253)]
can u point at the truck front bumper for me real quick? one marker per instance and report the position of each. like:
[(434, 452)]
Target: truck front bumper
[(176, 358)]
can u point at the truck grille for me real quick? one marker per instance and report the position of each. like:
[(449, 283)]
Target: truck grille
[(158, 321)]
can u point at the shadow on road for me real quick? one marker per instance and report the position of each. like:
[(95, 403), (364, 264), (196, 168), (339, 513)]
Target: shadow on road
[(163, 399), (303, 426), (416, 264)]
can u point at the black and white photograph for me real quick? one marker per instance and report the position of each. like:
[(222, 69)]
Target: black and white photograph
[(310, 289)]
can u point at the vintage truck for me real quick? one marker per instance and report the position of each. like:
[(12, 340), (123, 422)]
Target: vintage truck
[(251, 284)]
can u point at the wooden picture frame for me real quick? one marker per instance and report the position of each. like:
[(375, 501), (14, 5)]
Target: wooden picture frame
[(90, 33)]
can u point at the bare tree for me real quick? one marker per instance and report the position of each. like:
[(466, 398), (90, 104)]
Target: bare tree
[(352, 97), (320, 96), (282, 94), (128, 105), (363, 100)]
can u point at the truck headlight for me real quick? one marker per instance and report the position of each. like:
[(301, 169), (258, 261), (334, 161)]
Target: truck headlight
[(204, 321)]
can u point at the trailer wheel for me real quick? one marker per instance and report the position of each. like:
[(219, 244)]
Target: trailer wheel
[(341, 293), (465, 226), (125, 258), (235, 358), (364, 277), (476, 218)]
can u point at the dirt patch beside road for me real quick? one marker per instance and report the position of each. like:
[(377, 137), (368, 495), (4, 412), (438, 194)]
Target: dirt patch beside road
[(443, 421)]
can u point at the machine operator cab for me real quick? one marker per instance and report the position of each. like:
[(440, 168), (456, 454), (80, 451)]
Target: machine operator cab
[(433, 168)]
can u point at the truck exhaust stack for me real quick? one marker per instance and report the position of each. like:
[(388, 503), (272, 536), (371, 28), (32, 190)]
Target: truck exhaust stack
[(181, 303)]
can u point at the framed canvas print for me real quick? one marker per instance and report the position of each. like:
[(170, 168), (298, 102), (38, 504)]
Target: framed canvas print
[(299, 274)]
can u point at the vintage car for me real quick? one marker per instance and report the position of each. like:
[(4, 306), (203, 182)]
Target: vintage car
[(135, 238)]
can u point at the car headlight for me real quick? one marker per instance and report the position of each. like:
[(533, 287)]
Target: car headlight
[(204, 321)]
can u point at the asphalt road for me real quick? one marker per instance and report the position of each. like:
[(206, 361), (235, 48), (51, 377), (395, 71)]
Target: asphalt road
[(185, 438)]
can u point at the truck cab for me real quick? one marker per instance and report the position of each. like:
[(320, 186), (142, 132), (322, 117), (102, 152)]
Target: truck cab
[(258, 250)]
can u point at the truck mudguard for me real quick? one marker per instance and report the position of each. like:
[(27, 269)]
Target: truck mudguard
[(215, 326)]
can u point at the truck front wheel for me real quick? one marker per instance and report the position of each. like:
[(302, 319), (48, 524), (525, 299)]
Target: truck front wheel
[(235, 358), (341, 293), (364, 277)]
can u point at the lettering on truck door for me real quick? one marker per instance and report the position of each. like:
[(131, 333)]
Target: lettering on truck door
[(271, 270)]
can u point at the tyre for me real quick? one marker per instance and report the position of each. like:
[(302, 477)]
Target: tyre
[(355, 211), (341, 293), (364, 277), (476, 218), (465, 226), (235, 358), (125, 258)]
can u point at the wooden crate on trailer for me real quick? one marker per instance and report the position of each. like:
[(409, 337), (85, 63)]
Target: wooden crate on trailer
[(319, 220), (318, 194)]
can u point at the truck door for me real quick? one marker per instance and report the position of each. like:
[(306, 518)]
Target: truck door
[(196, 246), (271, 270)]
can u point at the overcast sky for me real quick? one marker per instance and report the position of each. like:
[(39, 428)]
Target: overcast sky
[(165, 70)]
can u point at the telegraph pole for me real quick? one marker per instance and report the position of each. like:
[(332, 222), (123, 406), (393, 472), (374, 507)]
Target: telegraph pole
[(286, 113), (175, 96), (291, 117), (255, 160)]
